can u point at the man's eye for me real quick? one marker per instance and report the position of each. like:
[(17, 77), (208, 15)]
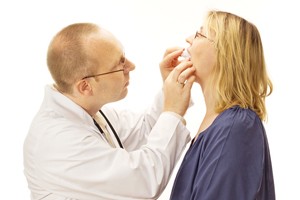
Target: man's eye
[(123, 60)]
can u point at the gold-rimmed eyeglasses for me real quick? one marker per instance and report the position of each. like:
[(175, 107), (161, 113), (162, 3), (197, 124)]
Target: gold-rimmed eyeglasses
[(122, 63), (198, 34)]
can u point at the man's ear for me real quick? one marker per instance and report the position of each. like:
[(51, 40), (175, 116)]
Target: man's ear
[(83, 87)]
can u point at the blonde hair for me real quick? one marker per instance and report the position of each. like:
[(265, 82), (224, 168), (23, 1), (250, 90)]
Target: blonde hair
[(68, 57), (240, 76)]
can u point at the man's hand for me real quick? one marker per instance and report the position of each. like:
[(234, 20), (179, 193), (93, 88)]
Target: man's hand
[(177, 86), (170, 60)]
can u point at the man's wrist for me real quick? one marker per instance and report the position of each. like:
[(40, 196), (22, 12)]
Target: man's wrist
[(177, 116)]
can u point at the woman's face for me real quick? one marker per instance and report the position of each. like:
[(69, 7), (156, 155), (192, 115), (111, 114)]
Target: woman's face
[(203, 55)]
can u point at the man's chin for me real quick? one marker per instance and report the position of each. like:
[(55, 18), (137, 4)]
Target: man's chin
[(122, 96)]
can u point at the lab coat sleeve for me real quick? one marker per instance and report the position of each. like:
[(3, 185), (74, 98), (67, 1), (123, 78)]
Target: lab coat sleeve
[(133, 128), (77, 166)]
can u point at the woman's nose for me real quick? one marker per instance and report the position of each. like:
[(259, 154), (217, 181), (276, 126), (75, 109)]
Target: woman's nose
[(190, 39)]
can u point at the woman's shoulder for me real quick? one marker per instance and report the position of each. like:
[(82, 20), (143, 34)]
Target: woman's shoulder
[(242, 122), (236, 120), (239, 115)]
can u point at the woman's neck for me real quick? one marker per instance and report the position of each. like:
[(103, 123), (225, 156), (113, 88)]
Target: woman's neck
[(210, 114)]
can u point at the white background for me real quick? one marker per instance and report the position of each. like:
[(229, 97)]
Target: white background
[(146, 29)]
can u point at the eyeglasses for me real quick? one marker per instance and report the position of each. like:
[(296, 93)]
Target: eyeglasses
[(198, 34), (122, 62), (119, 70)]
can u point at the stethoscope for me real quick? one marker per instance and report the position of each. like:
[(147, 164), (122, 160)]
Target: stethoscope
[(111, 127)]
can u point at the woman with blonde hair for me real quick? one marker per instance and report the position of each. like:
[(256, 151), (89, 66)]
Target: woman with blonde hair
[(229, 157)]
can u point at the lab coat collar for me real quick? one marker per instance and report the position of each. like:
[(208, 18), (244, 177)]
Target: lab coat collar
[(65, 106)]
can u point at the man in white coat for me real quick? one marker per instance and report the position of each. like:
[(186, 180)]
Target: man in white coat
[(79, 148)]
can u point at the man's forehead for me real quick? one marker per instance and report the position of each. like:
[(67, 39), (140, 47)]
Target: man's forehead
[(110, 44)]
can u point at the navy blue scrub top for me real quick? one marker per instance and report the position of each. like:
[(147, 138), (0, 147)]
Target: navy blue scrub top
[(230, 160)]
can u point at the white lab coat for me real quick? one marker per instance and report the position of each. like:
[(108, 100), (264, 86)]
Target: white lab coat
[(66, 157)]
